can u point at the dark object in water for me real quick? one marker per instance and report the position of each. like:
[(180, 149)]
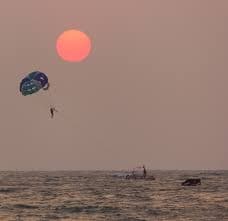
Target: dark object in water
[(192, 182), (137, 177)]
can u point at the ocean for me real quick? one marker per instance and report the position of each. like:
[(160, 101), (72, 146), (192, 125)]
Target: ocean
[(105, 195)]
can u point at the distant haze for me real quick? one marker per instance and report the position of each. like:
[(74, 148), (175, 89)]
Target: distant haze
[(153, 90)]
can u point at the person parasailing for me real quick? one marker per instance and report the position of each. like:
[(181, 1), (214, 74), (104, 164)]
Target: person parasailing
[(52, 111), (33, 83)]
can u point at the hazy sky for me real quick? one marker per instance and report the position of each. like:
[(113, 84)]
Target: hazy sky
[(153, 91)]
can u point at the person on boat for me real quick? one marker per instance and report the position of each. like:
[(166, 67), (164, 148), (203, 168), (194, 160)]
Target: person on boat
[(133, 174), (144, 172)]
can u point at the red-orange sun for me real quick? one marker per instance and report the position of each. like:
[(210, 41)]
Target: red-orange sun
[(73, 45)]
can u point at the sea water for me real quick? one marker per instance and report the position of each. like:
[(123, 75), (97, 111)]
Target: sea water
[(101, 195)]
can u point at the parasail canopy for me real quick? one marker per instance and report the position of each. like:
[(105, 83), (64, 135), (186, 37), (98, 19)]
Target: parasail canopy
[(33, 82)]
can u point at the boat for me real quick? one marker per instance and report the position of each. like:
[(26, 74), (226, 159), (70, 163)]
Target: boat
[(139, 177)]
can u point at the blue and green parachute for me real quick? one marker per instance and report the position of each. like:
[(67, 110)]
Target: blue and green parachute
[(33, 82)]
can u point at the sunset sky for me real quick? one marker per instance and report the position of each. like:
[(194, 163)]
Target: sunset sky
[(152, 91)]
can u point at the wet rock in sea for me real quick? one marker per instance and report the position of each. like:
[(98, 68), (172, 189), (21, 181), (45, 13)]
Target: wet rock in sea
[(191, 182)]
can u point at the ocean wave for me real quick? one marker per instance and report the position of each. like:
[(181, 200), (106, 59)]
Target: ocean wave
[(9, 189), (25, 206)]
